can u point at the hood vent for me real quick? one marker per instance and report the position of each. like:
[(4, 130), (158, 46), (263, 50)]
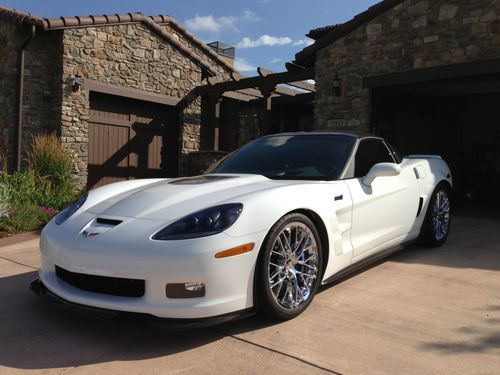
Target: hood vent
[(109, 222), (197, 180)]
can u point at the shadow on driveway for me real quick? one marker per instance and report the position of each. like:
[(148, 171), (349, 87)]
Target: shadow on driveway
[(37, 335)]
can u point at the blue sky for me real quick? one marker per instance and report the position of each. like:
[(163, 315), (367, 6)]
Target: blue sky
[(265, 33)]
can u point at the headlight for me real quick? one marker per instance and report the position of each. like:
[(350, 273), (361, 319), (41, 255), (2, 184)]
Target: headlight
[(70, 210), (203, 223)]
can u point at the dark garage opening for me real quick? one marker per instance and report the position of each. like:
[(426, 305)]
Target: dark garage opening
[(457, 119)]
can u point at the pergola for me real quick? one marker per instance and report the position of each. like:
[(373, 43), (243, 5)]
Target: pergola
[(265, 90)]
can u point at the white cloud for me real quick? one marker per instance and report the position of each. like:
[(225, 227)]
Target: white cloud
[(302, 42), (250, 16), (210, 23), (268, 40), (264, 40), (244, 66), (276, 60)]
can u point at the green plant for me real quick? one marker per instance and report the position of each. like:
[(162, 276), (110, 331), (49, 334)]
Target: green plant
[(49, 161), (28, 218), (29, 198), (26, 188)]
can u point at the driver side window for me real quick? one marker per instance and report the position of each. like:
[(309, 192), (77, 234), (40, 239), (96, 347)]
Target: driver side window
[(370, 151)]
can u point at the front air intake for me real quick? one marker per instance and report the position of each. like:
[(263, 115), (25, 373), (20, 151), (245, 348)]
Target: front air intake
[(102, 284)]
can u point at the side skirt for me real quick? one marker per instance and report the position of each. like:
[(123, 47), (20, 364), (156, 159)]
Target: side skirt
[(365, 262)]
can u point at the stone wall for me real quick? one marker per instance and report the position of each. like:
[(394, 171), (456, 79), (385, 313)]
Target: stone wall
[(129, 56), (41, 87), (415, 34), (11, 37)]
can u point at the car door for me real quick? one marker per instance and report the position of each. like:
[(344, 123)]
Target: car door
[(384, 212)]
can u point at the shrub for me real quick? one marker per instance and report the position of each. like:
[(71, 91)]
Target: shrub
[(28, 218), (4, 191), (25, 188), (31, 197), (49, 160)]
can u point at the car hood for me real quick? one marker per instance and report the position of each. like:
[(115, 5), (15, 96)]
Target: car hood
[(174, 198)]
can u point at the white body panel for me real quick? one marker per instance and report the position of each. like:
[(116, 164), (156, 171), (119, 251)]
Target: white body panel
[(357, 220)]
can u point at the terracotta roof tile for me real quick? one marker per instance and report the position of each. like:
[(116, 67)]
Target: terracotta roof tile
[(153, 22)]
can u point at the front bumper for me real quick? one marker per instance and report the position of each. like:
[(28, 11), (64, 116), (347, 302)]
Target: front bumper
[(124, 252), (140, 318)]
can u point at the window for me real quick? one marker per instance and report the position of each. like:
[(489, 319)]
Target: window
[(395, 153), (291, 157), (370, 151)]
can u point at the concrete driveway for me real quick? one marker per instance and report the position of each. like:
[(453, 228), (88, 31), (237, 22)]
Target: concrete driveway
[(421, 311)]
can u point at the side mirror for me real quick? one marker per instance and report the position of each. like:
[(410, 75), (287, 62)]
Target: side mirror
[(381, 170)]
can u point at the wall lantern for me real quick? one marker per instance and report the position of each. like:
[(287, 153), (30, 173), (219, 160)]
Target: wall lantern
[(337, 85), (75, 82)]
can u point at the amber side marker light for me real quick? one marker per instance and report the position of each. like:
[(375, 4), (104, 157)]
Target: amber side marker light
[(235, 251)]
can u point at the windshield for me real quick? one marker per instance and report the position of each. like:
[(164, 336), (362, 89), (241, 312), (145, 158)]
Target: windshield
[(291, 157)]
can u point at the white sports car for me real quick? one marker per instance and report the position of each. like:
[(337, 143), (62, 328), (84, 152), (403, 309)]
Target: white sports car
[(260, 231)]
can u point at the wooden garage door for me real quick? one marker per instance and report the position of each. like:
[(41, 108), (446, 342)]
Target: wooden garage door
[(130, 139)]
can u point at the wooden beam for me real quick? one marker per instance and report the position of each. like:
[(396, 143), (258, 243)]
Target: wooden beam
[(253, 92), (263, 72), (236, 76), (251, 82), (108, 88), (239, 96), (308, 97), (286, 91)]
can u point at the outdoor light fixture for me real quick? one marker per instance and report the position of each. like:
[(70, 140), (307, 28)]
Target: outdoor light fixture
[(75, 82), (337, 85)]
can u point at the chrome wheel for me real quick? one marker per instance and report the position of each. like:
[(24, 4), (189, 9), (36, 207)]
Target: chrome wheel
[(441, 215), (293, 266)]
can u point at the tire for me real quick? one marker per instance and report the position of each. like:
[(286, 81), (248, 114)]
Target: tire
[(288, 276), (437, 222)]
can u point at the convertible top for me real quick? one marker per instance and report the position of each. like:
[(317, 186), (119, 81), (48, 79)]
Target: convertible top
[(350, 133)]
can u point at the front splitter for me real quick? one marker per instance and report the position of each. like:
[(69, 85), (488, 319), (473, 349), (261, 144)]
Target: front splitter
[(168, 324)]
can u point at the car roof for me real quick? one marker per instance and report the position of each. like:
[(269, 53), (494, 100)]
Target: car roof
[(349, 133)]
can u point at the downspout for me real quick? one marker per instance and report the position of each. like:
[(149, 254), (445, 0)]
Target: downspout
[(21, 93)]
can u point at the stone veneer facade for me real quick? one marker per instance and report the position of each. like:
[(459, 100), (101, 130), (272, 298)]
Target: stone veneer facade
[(125, 55), (415, 34), (129, 56), (41, 109)]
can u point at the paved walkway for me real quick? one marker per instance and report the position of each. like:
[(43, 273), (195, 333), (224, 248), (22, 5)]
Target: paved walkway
[(421, 311)]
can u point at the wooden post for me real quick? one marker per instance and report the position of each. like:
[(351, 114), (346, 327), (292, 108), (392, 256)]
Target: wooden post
[(217, 123), (266, 92), (215, 100)]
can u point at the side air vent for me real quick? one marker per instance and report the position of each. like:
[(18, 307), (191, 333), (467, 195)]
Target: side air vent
[(111, 222), (420, 205)]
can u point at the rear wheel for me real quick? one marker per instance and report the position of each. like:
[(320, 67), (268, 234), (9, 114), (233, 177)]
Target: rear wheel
[(437, 221), (289, 268)]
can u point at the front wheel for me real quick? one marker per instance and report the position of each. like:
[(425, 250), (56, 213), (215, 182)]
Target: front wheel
[(437, 221), (289, 267)]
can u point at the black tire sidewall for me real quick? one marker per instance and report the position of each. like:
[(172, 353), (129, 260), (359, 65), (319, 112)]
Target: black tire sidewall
[(265, 299), (428, 237)]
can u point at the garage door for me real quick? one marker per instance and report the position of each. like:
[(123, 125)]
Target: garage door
[(459, 120), (130, 139)]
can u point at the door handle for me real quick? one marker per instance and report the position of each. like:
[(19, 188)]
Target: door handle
[(339, 197)]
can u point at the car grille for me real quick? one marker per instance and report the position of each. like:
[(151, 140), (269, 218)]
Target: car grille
[(102, 284)]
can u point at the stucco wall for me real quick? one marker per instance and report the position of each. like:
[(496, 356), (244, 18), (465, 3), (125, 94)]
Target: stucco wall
[(415, 34)]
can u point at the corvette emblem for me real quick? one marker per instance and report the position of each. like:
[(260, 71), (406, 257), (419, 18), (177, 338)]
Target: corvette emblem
[(89, 234)]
